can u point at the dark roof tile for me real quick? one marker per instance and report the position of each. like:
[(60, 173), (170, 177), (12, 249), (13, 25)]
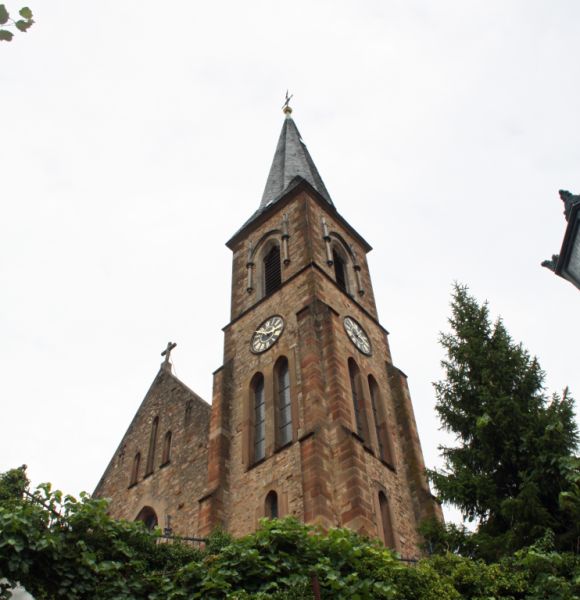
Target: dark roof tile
[(291, 159)]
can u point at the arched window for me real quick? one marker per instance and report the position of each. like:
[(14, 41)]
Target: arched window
[(271, 505), (135, 469), (188, 411), (340, 270), (272, 270), (357, 399), (152, 443), (386, 521), (259, 441), (166, 456), (383, 437), (284, 403), (148, 516)]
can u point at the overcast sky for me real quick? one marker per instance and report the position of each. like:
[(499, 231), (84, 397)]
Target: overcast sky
[(136, 138)]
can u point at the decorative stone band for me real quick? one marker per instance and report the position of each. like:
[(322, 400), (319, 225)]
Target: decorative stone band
[(326, 238), (250, 267), (285, 236), (357, 275)]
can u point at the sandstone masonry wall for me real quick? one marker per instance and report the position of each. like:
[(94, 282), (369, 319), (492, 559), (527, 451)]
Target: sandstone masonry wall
[(171, 489), (328, 474)]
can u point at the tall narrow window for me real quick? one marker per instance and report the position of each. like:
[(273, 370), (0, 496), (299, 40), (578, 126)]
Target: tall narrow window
[(259, 450), (272, 505), (135, 469), (383, 437), (166, 456), (357, 399), (339, 270), (152, 443), (386, 521), (284, 404), (188, 411), (272, 271)]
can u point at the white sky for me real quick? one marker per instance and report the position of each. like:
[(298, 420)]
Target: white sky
[(136, 137)]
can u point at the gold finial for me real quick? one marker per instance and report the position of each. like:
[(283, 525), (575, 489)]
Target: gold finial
[(286, 107)]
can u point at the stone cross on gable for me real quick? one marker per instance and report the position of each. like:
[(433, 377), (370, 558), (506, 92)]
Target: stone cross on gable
[(167, 354)]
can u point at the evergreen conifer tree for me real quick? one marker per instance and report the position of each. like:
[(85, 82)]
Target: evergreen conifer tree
[(506, 471)]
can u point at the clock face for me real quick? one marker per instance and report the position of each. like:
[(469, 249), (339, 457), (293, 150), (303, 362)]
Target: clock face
[(358, 336), (267, 334)]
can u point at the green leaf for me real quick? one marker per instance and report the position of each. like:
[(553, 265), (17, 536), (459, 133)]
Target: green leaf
[(4, 16), (25, 12), (23, 25), (5, 35)]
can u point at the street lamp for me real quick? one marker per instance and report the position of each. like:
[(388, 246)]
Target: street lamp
[(567, 263)]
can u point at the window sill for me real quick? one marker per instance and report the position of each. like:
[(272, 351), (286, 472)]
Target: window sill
[(368, 449), (132, 485), (167, 462), (279, 449), (256, 463), (388, 465), (276, 451), (147, 475), (356, 436)]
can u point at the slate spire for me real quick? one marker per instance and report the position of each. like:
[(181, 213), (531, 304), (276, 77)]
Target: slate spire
[(291, 160)]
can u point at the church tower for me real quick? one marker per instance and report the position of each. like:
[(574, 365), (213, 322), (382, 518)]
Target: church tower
[(309, 415)]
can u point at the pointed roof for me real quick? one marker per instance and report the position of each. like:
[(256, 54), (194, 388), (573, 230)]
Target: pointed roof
[(293, 168), (291, 160)]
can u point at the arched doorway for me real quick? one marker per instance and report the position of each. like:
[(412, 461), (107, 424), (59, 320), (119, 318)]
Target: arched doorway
[(148, 516)]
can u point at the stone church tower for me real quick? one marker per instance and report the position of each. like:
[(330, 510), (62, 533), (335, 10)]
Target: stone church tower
[(309, 415)]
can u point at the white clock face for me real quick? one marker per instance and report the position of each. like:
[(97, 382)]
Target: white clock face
[(357, 335), (267, 334)]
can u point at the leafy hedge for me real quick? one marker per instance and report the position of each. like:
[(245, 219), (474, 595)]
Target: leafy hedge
[(58, 547)]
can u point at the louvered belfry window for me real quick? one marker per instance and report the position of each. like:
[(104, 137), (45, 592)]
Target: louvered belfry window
[(339, 270), (272, 271)]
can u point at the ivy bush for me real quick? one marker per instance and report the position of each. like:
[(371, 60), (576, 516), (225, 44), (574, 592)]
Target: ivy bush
[(60, 547)]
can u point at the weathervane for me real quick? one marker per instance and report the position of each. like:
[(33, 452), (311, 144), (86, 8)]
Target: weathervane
[(286, 107)]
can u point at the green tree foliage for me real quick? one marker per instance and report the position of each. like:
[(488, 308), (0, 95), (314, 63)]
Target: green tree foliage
[(444, 538), (58, 547), (570, 498), (507, 470), (23, 24), (13, 485)]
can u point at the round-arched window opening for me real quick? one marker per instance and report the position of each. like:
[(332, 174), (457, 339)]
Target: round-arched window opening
[(283, 402), (340, 270), (259, 418), (386, 521), (272, 505), (148, 516)]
